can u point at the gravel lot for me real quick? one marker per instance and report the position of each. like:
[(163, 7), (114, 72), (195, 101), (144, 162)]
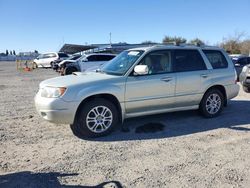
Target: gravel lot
[(170, 150)]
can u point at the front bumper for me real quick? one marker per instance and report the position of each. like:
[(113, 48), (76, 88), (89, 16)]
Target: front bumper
[(56, 110)]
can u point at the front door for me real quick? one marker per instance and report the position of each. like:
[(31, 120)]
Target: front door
[(154, 91)]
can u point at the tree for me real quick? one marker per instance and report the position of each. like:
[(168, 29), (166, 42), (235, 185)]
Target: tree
[(245, 47), (197, 41), (36, 51), (175, 39), (10, 52), (232, 43), (7, 52), (14, 52)]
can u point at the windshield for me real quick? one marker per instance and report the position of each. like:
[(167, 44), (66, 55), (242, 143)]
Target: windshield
[(83, 57), (74, 57), (121, 63)]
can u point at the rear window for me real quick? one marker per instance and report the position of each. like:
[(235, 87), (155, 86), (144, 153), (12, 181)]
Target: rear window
[(216, 59)]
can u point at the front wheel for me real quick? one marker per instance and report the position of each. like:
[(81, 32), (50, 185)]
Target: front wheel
[(69, 70), (212, 103), (96, 118)]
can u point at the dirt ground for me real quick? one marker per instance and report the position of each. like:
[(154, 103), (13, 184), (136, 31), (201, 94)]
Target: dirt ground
[(179, 149)]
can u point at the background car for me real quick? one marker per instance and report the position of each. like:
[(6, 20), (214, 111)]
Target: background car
[(245, 78), (55, 63), (45, 60), (86, 62), (240, 62)]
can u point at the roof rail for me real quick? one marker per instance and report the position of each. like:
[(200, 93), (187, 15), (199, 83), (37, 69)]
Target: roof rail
[(183, 44)]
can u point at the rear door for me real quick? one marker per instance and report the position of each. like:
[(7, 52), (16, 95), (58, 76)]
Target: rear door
[(192, 76)]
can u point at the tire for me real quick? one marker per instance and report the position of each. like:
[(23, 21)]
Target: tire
[(69, 70), (246, 89), (212, 103), (90, 121)]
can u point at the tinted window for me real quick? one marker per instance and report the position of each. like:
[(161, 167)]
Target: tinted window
[(158, 62), (63, 55), (248, 60), (105, 57), (92, 58), (216, 58), (188, 60), (242, 61)]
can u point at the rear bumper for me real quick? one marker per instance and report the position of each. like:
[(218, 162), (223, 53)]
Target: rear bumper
[(56, 110)]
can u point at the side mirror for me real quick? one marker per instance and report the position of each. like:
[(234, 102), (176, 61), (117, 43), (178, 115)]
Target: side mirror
[(141, 70)]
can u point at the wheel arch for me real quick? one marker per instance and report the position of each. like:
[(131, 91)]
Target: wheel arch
[(106, 96), (222, 89)]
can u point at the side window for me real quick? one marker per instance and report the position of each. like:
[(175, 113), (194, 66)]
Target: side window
[(216, 58), (62, 55), (188, 60), (92, 58), (50, 55), (106, 57), (242, 61), (158, 62)]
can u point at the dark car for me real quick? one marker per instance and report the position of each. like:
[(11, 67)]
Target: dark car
[(245, 78), (240, 62)]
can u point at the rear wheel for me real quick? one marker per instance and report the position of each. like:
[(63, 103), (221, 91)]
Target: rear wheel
[(69, 70), (96, 118), (212, 103)]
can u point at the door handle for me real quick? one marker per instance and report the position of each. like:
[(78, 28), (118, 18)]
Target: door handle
[(204, 75), (166, 79)]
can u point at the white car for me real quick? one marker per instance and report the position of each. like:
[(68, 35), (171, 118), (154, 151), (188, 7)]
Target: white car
[(45, 60)]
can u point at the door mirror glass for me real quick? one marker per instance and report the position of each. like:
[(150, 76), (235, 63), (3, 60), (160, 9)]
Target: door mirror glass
[(141, 70)]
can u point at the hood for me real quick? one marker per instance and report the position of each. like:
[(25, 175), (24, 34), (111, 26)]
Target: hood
[(76, 79)]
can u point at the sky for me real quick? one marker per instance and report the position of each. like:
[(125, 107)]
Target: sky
[(45, 25)]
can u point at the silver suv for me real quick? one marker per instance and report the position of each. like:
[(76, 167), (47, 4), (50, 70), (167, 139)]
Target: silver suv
[(138, 82)]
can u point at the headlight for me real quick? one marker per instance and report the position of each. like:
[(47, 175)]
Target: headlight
[(52, 92)]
